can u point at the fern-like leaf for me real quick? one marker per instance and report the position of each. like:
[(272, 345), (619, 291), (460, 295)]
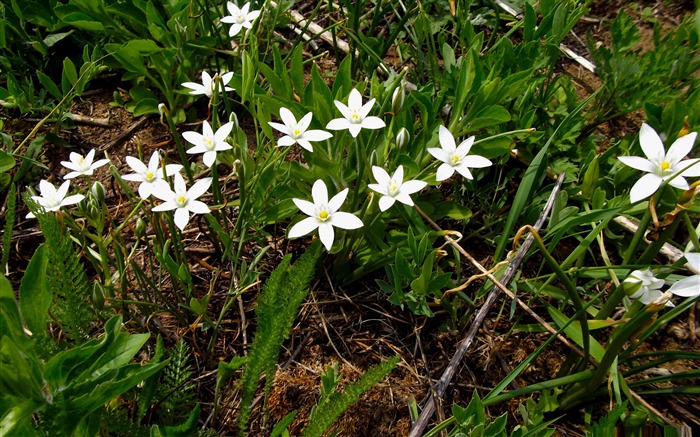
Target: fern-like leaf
[(278, 306), (176, 391), (336, 403), (9, 224), (150, 385)]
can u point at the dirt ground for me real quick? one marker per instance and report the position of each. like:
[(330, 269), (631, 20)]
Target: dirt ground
[(359, 332)]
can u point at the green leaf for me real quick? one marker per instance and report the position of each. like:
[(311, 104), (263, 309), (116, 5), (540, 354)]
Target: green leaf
[(6, 161), (573, 331), (34, 295), (50, 85), (490, 116), (69, 77)]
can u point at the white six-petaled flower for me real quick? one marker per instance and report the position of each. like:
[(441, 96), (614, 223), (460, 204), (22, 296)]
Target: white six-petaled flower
[(393, 188), (182, 200), (296, 132), (210, 84), (355, 115), (150, 175), (456, 157), (52, 199), (82, 165), (209, 142), (661, 165), (324, 215), (239, 18), (649, 286)]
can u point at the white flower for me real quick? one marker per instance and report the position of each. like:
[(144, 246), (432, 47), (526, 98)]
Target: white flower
[(209, 142), (355, 114), (149, 176), (239, 18), (689, 286), (296, 132), (52, 199), (209, 84), (659, 165), (182, 200), (649, 286), (456, 158), (82, 165), (393, 188), (323, 214)]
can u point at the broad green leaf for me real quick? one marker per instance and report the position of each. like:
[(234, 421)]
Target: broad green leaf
[(6, 161), (50, 85), (34, 295), (573, 331), (489, 116)]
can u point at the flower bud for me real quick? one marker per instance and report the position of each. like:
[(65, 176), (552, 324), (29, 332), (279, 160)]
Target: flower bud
[(140, 228), (234, 118), (398, 98), (98, 191), (98, 296), (402, 138), (162, 110)]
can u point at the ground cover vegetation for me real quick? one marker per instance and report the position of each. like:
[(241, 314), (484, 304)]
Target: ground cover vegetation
[(318, 201)]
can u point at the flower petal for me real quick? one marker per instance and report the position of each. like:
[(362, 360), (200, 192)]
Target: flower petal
[(439, 154), (691, 166), (168, 205), (386, 202), (137, 165), (447, 140), (679, 182), (686, 287), (344, 110), (171, 169), (381, 175), (413, 186), (381, 189), (338, 124), (463, 169), (309, 224), (355, 99), (198, 207), (280, 127), (693, 259), (645, 187), (193, 137), (305, 206), (209, 158), (651, 143), (326, 234), (223, 132), (476, 161), (354, 129), (182, 217), (72, 200), (316, 135), (288, 118), (145, 190), (305, 144), (319, 192), (680, 148), (305, 121), (286, 141), (364, 110), (62, 190), (638, 163), (337, 201), (465, 146), (373, 123), (444, 171), (200, 187), (345, 220)]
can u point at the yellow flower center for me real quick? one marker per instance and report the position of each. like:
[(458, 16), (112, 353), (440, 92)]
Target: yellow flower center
[(209, 143), (150, 176), (665, 166), (455, 159), (181, 200), (323, 215), (393, 187), (355, 117), (296, 132)]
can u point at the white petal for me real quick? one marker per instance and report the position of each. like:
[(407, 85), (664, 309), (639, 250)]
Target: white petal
[(223, 132), (465, 146), (133, 177), (680, 148), (305, 144), (171, 169), (645, 187), (316, 135), (344, 110), (98, 163), (70, 165), (638, 163), (414, 186), (366, 108), (90, 156), (386, 202), (447, 140), (693, 259), (305, 206), (381, 189), (193, 137), (232, 8), (338, 124), (354, 129), (287, 117), (286, 141), (373, 123), (165, 206), (691, 166), (74, 174), (228, 19), (355, 99), (652, 146), (439, 154), (404, 198), (195, 87), (235, 28), (197, 207), (280, 127), (476, 161), (679, 182), (137, 165), (182, 217), (381, 175), (209, 158), (309, 224), (199, 148), (179, 184), (252, 15), (72, 200), (444, 172), (326, 234), (345, 220), (200, 187), (62, 190), (337, 201), (145, 190), (463, 169), (398, 174), (319, 192), (305, 121), (687, 287)]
